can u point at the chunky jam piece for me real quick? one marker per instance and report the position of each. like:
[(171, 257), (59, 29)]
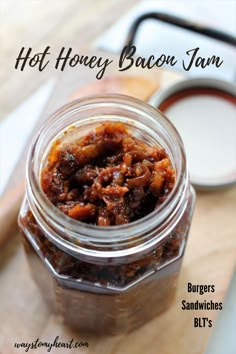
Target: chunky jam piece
[(108, 176)]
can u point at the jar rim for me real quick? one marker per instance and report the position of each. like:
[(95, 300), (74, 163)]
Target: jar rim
[(91, 235)]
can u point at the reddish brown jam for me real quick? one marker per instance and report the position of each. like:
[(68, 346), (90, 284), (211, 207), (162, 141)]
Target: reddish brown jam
[(107, 177)]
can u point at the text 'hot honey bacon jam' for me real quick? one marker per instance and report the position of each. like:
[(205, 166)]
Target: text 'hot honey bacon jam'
[(107, 213)]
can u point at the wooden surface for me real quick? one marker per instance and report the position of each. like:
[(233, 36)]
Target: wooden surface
[(209, 259), (36, 24), (211, 250)]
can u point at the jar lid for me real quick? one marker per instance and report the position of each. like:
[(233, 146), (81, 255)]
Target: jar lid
[(204, 112)]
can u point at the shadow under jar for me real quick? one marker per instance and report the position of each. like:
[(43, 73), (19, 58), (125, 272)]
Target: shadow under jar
[(107, 279)]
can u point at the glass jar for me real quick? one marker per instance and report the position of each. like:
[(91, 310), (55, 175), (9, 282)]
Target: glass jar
[(108, 279)]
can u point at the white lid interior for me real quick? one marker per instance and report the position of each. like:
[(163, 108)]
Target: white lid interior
[(207, 125)]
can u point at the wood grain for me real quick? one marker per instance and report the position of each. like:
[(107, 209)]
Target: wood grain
[(9, 209), (211, 250), (209, 259), (25, 23)]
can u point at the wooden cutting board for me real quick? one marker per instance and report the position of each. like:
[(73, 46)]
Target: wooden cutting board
[(209, 259)]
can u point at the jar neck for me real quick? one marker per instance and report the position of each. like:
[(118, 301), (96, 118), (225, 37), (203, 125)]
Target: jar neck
[(84, 240)]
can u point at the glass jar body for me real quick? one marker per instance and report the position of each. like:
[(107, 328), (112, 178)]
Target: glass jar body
[(109, 299), (92, 286)]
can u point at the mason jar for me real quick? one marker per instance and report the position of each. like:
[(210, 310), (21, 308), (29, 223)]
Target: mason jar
[(107, 279)]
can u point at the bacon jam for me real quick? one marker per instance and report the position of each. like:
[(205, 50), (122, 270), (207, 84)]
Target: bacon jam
[(107, 177)]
